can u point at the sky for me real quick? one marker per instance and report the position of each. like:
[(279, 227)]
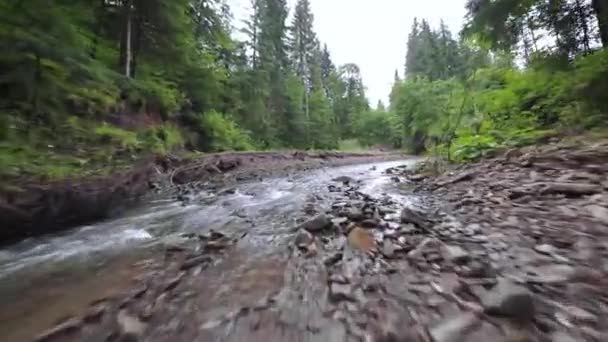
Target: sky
[(371, 33)]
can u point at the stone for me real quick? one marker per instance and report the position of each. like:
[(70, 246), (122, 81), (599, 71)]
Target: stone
[(560, 336), (545, 249), (414, 216), (598, 212), (355, 214), (551, 274), (344, 180), (388, 248), (317, 224), (425, 246), (455, 254), (361, 239), (130, 326), (510, 300), (369, 223), (70, 326), (338, 221), (303, 239), (339, 292), (453, 329), (338, 278)]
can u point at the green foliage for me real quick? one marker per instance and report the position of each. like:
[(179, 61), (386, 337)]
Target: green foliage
[(224, 133), (123, 138)]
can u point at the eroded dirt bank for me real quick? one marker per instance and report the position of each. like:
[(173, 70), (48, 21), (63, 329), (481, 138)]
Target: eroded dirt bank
[(33, 208), (509, 249)]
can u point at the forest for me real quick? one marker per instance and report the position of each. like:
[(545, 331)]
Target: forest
[(91, 84)]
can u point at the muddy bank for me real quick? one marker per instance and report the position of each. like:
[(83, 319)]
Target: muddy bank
[(32, 209)]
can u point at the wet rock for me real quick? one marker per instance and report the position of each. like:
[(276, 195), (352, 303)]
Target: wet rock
[(332, 259), (453, 329), (68, 327), (361, 239), (317, 224), (303, 239), (455, 254), (338, 221), (355, 214), (425, 246), (369, 223), (545, 249), (339, 292), (94, 314), (388, 248), (551, 274), (338, 278), (510, 300), (131, 328), (344, 180), (598, 212), (560, 336), (414, 216), (195, 261)]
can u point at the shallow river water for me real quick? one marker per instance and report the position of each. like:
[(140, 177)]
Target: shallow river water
[(45, 279)]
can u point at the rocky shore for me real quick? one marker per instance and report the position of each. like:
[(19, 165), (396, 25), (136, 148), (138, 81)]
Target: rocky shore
[(508, 249)]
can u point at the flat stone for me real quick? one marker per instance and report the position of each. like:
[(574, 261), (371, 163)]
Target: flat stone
[(339, 292), (455, 254), (560, 336), (338, 221), (361, 239), (130, 326), (509, 299), (67, 327), (369, 223), (317, 224), (338, 278), (388, 248), (453, 329), (425, 246), (545, 249), (598, 212), (551, 274), (303, 238)]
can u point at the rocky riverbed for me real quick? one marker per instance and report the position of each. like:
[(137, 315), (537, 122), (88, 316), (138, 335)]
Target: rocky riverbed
[(508, 249)]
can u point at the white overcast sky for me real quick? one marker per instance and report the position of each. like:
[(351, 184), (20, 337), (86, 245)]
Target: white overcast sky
[(371, 33)]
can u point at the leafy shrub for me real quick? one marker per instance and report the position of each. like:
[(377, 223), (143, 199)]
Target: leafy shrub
[(112, 134), (473, 147), (223, 133), (162, 139)]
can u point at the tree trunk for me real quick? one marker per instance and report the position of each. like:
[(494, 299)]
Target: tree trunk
[(126, 53), (600, 7), (583, 20)]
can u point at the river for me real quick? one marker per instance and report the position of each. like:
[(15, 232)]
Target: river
[(45, 279)]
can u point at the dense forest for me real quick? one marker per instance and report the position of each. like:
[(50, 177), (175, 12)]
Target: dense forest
[(100, 82), (88, 84), (521, 71)]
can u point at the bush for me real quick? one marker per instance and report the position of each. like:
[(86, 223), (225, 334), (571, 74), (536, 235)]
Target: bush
[(112, 134), (223, 133)]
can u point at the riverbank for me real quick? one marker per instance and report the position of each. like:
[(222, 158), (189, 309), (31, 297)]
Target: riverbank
[(32, 208), (507, 249)]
